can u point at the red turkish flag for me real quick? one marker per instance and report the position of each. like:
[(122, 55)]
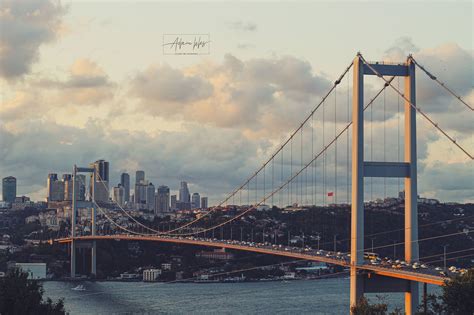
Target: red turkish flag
[(330, 194)]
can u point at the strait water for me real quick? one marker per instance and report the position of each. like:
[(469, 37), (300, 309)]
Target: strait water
[(323, 296)]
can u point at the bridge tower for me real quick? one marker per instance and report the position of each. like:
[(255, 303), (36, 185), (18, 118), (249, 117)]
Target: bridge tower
[(362, 169), (90, 204)]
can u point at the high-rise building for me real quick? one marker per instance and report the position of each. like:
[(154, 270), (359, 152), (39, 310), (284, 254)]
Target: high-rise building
[(9, 189), (162, 200), (196, 201), (100, 188), (204, 204), (55, 188), (150, 197), (139, 176), (67, 182), (139, 183), (184, 192), (125, 182), (101, 169), (119, 195), (141, 194), (173, 201)]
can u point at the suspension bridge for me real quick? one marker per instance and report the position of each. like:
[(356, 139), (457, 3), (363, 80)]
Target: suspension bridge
[(324, 161)]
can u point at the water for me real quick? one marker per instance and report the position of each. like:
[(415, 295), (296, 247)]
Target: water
[(324, 296)]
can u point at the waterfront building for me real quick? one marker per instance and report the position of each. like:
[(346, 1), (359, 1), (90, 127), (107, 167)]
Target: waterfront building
[(151, 275)]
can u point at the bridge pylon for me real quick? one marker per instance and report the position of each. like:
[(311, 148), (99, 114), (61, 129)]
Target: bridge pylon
[(362, 169), (74, 207)]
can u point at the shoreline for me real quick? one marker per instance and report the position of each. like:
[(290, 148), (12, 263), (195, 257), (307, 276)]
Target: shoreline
[(329, 276)]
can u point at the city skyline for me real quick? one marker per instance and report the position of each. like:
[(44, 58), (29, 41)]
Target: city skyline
[(209, 127)]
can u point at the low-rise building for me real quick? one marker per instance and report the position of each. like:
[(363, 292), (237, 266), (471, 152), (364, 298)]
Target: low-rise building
[(166, 266), (217, 254), (151, 275)]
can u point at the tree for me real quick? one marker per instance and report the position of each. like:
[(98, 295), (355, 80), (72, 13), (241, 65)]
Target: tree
[(20, 295), (457, 297), (363, 307)]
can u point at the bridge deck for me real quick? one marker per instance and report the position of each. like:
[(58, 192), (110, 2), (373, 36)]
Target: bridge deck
[(384, 271)]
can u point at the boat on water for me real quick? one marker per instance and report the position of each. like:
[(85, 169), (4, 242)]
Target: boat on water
[(79, 288)]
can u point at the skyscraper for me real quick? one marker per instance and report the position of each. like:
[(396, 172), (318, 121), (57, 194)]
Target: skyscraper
[(150, 197), (119, 195), (9, 189), (196, 201), (55, 188), (184, 192), (101, 169), (173, 201), (100, 188), (125, 182), (162, 200), (204, 204), (67, 182), (139, 182), (139, 176)]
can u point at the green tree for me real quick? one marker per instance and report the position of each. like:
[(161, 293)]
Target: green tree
[(19, 295), (456, 298), (363, 307)]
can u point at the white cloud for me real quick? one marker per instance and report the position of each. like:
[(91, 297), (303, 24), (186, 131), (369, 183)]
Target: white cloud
[(25, 25)]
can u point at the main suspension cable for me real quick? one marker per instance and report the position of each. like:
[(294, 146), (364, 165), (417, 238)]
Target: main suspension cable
[(432, 77), (416, 108)]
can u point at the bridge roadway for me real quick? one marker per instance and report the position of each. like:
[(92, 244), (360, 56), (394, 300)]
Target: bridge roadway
[(420, 275)]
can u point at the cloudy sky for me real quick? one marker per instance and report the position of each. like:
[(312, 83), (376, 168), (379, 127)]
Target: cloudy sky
[(84, 80)]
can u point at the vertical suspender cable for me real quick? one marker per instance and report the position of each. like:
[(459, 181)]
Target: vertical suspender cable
[(301, 176), (398, 128), (384, 145), (281, 179), (290, 189), (347, 142), (324, 156), (371, 150), (256, 188), (273, 176), (335, 147), (264, 182), (313, 165)]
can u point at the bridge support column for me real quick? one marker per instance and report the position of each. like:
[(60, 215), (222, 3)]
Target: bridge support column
[(73, 223), (357, 206), (93, 227), (94, 258), (73, 258), (411, 193)]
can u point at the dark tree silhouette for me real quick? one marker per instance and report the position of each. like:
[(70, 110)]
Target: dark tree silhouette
[(19, 295)]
